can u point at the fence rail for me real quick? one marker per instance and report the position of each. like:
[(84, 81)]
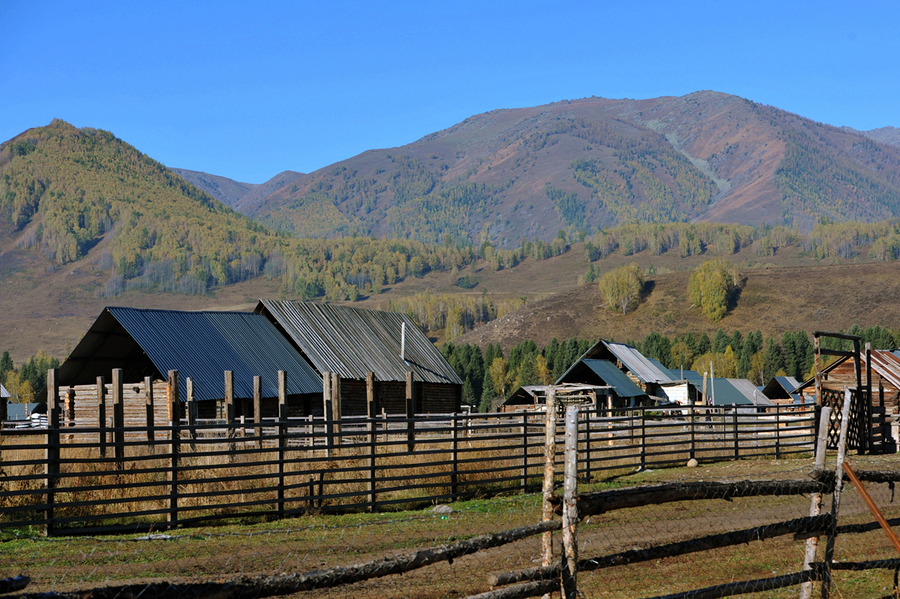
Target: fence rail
[(107, 479)]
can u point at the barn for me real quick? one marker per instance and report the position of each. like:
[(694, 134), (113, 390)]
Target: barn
[(350, 342), (201, 346)]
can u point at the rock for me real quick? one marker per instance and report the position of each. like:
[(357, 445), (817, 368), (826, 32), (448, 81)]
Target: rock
[(442, 509), (692, 463)]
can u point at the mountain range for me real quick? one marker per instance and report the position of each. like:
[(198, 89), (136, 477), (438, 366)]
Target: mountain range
[(88, 220), (587, 164)]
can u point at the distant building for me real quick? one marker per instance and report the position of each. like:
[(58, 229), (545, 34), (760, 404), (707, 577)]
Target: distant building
[(352, 342)]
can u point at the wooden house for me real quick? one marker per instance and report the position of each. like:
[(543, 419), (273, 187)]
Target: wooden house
[(352, 342), (885, 369), (201, 346)]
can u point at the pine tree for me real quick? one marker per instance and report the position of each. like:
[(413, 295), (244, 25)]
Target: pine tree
[(720, 342), (774, 361), (6, 365), (487, 392)]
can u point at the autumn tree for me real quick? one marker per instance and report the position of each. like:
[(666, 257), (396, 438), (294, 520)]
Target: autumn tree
[(622, 287), (712, 287)]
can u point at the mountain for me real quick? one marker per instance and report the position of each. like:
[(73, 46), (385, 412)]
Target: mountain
[(885, 135), (591, 163), (232, 193)]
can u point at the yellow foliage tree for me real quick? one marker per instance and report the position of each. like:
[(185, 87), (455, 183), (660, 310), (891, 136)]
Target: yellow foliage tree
[(622, 287)]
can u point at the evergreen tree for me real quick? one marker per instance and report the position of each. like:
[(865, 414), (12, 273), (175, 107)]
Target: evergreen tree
[(468, 393), (659, 347), (6, 365), (720, 342), (703, 345), (789, 353), (487, 392), (773, 361), (737, 342)]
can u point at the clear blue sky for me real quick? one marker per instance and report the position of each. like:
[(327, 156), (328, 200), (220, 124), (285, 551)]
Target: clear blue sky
[(249, 89)]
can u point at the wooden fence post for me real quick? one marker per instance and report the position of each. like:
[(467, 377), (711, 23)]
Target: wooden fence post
[(327, 412), (569, 588), (118, 418), (410, 413), (524, 451), (336, 407), (815, 507), (229, 412), (549, 471), (174, 445), (592, 410), (693, 432), (643, 439), (282, 437), (371, 414), (257, 409), (734, 420), (836, 494), (191, 412), (51, 452), (777, 432), (454, 457), (150, 411), (101, 414)]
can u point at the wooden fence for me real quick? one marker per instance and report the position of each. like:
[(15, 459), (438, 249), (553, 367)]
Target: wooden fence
[(98, 479)]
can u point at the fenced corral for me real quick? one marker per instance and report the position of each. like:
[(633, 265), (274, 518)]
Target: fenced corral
[(721, 529), (127, 478)]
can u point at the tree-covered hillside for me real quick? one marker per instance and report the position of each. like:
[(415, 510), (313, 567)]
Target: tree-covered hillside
[(82, 195)]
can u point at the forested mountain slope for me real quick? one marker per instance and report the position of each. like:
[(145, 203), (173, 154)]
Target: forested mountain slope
[(591, 163)]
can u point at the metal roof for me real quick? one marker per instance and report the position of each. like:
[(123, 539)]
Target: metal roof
[(3, 392), (749, 390), (199, 345), (354, 341), (643, 368), (615, 378)]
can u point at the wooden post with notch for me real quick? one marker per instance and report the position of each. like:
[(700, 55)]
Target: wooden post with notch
[(191, 412), (51, 452), (150, 410), (229, 412), (327, 413), (174, 445), (410, 412), (282, 438), (257, 410), (549, 471), (336, 406), (569, 588), (118, 418), (101, 414), (371, 415)]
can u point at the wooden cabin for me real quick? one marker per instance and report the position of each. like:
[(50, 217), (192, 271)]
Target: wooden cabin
[(351, 342), (201, 346)]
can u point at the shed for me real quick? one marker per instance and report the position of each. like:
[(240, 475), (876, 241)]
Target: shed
[(200, 346), (780, 390), (532, 397), (623, 392), (352, 342)]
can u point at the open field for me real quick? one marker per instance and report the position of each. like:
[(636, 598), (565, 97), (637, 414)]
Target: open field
[(219, 553)]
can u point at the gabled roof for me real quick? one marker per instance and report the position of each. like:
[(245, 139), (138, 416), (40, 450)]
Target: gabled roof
[(749, 390), (200, 345), (645, 369), (886, 363), (354, 341), (609, 374), (3, 392)]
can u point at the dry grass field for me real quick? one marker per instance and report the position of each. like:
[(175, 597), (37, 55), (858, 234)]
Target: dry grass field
[(228, 551)]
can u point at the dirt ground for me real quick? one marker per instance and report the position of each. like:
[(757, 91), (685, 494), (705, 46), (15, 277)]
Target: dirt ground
[(218, 554)]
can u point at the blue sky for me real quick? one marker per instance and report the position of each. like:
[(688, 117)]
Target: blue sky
[(246, 90)]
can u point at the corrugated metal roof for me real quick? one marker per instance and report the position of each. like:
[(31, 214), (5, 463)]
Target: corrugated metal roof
[(750, 391), (4, 392), (199, 345), (614, 377), (354, 341), (638, 364)]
